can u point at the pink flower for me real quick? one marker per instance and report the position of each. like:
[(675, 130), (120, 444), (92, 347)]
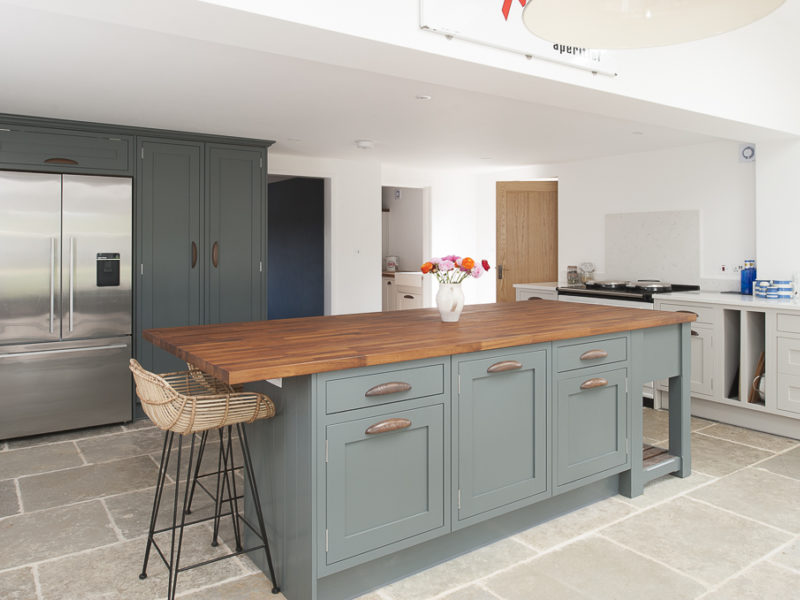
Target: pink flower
[(446, 265), (476, 271)]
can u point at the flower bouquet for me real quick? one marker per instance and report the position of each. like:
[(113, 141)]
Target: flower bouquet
[(450, 271)]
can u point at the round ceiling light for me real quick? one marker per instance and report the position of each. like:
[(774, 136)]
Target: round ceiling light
[(625, 24)]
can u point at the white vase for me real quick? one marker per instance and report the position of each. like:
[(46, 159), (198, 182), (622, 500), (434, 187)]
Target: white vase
[(450, 301)]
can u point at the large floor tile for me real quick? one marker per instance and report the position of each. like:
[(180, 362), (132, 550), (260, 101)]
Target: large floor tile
[(249, 587), (667, 487), (32, 537), (757, 494), (472, 592), (787, 464), (760, 582), (138, 424), (83, 483), (63, 436), (459, 571), (789, 556), (593, 568), (750, 437), (717, 457), (17, 584), (40, 459), (562, 529), (685, 534), (655, 424), (111, 447), (9, 503), (113, 572)]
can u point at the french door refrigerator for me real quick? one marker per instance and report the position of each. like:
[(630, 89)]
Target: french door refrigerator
[(65, 301)]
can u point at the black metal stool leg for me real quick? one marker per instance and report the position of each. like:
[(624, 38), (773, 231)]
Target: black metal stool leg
[(218, 495), (251, 478), (175, 558), (233, 503), (162, 476), (203, 438)]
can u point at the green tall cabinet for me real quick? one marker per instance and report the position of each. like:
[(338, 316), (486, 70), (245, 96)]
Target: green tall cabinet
[(201, 246)]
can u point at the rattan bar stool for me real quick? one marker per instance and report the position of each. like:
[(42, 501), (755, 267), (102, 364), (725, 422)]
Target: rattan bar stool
[(193, 402)]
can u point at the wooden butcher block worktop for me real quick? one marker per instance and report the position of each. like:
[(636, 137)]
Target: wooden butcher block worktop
[(244, 352)]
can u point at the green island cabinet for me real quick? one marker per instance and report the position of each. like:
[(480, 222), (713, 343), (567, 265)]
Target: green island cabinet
[(373, 473)]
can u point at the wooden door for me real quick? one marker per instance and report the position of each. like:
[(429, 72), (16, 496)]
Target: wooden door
[(527, 234)]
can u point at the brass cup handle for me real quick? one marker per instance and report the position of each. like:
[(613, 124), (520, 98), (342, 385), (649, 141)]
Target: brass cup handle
[(534, 298), (594, 354), (194, 255), (392, 387), (60, 161), (215, 254), (388, 425), (504, 365), (594, 382), (694, 332)]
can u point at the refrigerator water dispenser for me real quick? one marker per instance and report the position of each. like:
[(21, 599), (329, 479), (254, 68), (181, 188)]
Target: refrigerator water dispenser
[(107, 269)]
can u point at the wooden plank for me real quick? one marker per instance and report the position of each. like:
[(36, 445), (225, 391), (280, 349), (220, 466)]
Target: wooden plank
[(753, 396), (243, 352)]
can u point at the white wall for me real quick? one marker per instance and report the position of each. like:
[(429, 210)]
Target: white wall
[(352, 228), (405, 230), (778, 209)]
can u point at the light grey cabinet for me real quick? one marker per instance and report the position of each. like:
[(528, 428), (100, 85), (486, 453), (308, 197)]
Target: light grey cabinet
[(500, 432), (200, 238), (590, 425), (384, 480), (702, 360)]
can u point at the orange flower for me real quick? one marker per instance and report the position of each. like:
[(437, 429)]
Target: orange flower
[(426, 268), (467, 263)]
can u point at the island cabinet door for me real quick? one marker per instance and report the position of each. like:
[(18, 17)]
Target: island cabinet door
[(590, 425), (501, 433), (385, 480)]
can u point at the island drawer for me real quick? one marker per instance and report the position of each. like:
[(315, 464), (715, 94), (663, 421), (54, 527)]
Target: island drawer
[(570, 356), (383, 386)]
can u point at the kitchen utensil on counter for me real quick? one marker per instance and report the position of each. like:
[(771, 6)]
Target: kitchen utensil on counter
[(391, 263), (586, 271), (572, 275), (748, 276)]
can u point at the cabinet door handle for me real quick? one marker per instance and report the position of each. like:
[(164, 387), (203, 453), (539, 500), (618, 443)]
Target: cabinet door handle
[(194, 255), (593, 354), (504, 365), (391, 387), (60, 161), (408, 297), (388, 425), (534, 298), (215, 254), (689, 312), (594, 382), (694, 332)]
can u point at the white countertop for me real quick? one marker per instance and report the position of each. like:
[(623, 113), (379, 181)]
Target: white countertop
[(541, 285), (729, 299)]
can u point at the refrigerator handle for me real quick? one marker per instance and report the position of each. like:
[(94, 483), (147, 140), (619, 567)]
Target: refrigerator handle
[(71, 280), (52, 281)]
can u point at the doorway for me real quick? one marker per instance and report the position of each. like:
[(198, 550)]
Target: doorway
[(295, 247), (527, 234)]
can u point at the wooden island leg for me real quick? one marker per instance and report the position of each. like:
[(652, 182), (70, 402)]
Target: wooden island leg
[(680, 429)]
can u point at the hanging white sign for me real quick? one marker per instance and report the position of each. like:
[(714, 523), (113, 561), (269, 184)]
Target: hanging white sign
[(498, 23)]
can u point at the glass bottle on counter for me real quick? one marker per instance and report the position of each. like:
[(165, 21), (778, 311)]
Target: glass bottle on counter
[(572, 275)]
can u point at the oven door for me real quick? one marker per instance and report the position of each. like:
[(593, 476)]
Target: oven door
[(606, 301)]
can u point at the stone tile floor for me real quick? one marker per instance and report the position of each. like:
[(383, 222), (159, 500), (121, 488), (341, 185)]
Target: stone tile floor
[(74, 509)]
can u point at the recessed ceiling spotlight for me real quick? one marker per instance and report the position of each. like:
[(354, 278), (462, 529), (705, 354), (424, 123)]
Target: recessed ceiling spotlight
[(424, 97), (365, 144), (637, 132), (293, 140)]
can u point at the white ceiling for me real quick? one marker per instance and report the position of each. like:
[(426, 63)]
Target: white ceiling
[(90, 68)]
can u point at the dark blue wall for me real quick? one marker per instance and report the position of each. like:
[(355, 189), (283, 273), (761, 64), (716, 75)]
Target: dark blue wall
[(295, 249)]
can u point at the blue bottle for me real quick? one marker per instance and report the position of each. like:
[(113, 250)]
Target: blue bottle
[(748, 276)]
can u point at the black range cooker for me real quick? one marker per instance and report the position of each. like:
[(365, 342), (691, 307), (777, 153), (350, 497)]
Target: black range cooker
[(641, 290)]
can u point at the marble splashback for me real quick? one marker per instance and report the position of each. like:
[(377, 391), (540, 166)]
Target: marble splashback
[(661, 245)]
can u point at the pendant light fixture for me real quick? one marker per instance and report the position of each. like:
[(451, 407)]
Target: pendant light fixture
[(625, 24)]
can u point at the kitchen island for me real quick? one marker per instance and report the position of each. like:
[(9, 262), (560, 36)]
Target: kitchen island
[(401, 441)]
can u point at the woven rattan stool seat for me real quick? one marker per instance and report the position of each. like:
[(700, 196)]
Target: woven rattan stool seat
[(192, 401)]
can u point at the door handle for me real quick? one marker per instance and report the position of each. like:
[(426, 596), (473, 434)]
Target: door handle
[(194, 255), (71, 281), (594, 382), (215, 254), (499, 271), (391, 387), (52, 281), (593, 354), (60, 161), (388, 425), (504, 365), (695, 333), (408, 297)]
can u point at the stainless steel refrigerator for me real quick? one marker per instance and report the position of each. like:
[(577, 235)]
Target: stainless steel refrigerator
[(65, 301)]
